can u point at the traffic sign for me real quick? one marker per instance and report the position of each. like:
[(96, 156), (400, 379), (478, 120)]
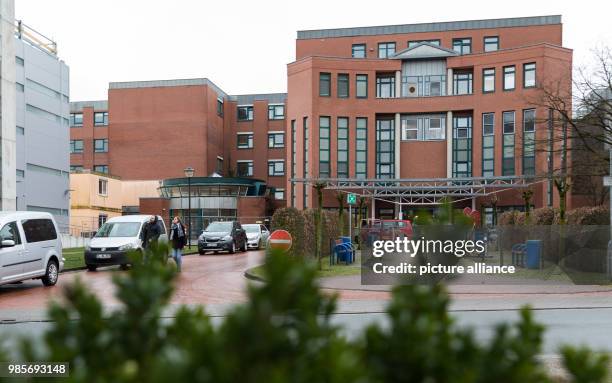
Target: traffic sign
[(280, 240), (351, 199)]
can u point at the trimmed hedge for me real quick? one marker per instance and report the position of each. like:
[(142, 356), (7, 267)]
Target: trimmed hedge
[(301, 225), (292, 220), (596, 215)]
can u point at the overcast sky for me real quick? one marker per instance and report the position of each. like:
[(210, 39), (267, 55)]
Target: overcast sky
[(244, 46)]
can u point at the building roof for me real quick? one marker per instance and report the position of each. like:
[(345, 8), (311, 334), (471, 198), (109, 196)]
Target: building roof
[(250, 98), (78, 106), (430, 27), (424, 50), (166, 83)]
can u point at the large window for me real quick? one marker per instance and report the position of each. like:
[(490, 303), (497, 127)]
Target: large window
[(101, 169), (325, 84), (276, 112), (101, 145), (306, 162), (488, 144), (462, 83), (276, 140), (462, 146), (529, 75), (324, 160), (423, 127), (385, 148), (276, 168), (76, 119), (386, 50), (385, 86), (76, 146), (361, 81), (100, 118), (529, 130), (343, 85), (413, 43), (358, 51), (508, 144), (491, 43), (244, 168), (245, 140), (361, 147), (509, 77), (343, 147), (463, 46), (488, 80), (245, 113)]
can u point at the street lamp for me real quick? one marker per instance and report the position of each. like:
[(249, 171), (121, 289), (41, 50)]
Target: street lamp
[(189, 173)]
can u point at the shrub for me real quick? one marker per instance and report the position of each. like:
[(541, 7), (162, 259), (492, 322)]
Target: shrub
[(507, 218), (331, 229), (310, 234), (543, 216), (596, 215), (292, 220)]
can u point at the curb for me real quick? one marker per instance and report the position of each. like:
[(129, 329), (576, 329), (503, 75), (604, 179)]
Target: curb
[(81, 268), (253, 277)]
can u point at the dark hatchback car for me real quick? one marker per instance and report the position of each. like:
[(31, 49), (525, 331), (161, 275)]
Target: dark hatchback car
[(222, 236)]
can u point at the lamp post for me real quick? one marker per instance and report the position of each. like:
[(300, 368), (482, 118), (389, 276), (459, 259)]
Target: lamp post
[(189, 173)]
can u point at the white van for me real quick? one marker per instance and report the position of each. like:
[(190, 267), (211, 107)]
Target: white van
[(30, 247), (116, 238)]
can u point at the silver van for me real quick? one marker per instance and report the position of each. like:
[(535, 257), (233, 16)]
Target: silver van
[(30, 247)]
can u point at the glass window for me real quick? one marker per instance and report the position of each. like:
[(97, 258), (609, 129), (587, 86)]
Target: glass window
[(306, 151), (361, 147), (76, 119), (76, 146), (509, 77), (293, 162), (385, 148), (423, 127), (245, 113), (488, 124), (491, 43), (324, 84), (101, 145), (529, 127), (76, 168), (245, 140), (529, 75), (276, 112), (100, 118), (276, 140), (508, 122), (244, 168), (102, 218), (412, 43), (38, 230), (386, 50), (9, 232), (462, 83), (359, 51), (508, 144), (324, 146), (276, 168), (279, 194), (488, 144), (462, 146), (220, 107), (410, 129), (101, 169), (343, 147), (463, 46), (343, 85), (488, 80), (385, 86), (102, 186), (362, 85)]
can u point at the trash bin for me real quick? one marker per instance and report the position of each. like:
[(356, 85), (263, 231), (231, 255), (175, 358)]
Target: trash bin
[(346, 239), (534, 253)]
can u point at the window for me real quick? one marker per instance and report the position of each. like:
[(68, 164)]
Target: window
[(385, 86), (276, 168), (220, 107), (529, 75), (488, 80), (100, 118), (293, 162), (19, 87), (463, 46), (423, 127), (385, 148), (462, 146), (101, 145), (488, 144), (358, 51), (462, 83), (508, 144), (412, 43), (276, 140), (101, 169), (529, 128), (76, 119), (279, 194), (276, 112), (361, 81), (244, 168), (343, 85), (219, 165), (245, 140), (491, 43), (343, 147), (9, 232), (509, 77), (76, 168), (306, 151), (245, 113), (38, 230), (509, 122), (324, 170), (102, 218), (386, 50), (361, 147), (102, 186), (324, 84), (76, 146)]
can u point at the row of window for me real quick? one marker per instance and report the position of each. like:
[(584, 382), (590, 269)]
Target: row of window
[(461, 45), (361, 85), (276, 140), (276, 168), (100, 146), (96, 168), (342, 147), (99, 119), (275, 112)]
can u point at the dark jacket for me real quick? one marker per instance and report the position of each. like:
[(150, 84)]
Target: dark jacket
[(150, 232), (177, 236)]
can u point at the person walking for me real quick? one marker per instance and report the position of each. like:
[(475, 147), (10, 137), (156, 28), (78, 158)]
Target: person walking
[(150, 232), (178, 239)]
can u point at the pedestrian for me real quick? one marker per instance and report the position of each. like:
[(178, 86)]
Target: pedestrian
[(178, 239), (150, 232)]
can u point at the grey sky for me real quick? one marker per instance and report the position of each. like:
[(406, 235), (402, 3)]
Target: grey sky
[(244, 46)]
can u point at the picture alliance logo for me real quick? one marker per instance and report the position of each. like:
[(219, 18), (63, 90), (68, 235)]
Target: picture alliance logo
[(458, 248)]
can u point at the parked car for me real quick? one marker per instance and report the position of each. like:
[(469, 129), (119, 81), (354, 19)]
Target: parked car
[(222, 236), (30, 247), (116, 238), (393, 228), (257, 235)]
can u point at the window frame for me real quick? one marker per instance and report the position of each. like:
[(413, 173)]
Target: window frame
[(488, 136), (249, 137), (386, 45), (102, 187), (272, 108), (429, 41), (279, 190), (325, 77), (345, 79), (249, 113), (346, 140), (462, 40), (484, 79), (272, 168), (325, 146), (104, 171), (250, 170), (358, 130), (104, 145), (104, 119), (457, 79), (484, 43), (73, 120), (73, 149), (504, 82), (361, 78), (365, 50), (525, 70), (272, 139)]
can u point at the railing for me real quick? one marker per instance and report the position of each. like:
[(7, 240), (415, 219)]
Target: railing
[(424, 86), (35, 38)]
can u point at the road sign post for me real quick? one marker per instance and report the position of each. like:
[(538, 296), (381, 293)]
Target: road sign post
[(280, 240), (351, 199)]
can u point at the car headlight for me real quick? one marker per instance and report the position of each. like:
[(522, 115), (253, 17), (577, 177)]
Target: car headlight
[(227, 238), (128, 246)]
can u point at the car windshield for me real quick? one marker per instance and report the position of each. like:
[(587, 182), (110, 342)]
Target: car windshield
[(388, 224), (251, 228), (118, 229), (219, 227)]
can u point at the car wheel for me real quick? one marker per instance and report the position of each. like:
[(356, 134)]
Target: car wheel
[(91, 268), (244, 247), (233, 249), (51, 274), (201, 252)]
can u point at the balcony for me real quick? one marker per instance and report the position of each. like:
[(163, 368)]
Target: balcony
[(424, 86)]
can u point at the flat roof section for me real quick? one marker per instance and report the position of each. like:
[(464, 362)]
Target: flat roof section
[(77, 106), (166, 83), (429, 27)]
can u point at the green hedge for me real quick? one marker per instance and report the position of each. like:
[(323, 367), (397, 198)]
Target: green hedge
[(301, 225), (596, 215), (292, 220)]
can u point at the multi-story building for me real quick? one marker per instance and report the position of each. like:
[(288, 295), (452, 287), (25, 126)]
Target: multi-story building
[(35, 110), (424, 101)]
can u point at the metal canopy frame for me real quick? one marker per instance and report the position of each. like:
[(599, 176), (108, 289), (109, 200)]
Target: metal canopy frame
[(424, 191)]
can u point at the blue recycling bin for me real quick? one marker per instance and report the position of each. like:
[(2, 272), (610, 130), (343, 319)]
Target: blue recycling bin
[(346, 239), (534, 253)]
